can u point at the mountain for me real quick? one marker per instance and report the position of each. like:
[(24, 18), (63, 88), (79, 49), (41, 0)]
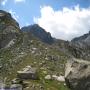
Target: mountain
[(33, 47), (39, 32), (80, 47), (9, 29), (20, 48), (82, 41)]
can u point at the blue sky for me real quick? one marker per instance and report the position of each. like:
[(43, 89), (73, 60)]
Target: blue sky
[(27, 12), (27, 9)]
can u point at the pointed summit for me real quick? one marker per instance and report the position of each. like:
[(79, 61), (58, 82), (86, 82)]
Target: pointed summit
[(39, 32)]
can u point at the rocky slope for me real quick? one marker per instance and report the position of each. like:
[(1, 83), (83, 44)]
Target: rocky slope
[(33, 46), (81, 46), (9, 30), (20, 49)]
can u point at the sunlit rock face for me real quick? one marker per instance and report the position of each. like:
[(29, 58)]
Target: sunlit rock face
[(77, 74)]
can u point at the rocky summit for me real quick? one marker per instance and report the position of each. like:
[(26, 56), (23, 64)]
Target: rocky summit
[(39, 32), (31, 58)]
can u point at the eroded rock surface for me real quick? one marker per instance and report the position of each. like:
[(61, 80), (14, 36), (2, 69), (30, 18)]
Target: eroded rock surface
[(77, 74)]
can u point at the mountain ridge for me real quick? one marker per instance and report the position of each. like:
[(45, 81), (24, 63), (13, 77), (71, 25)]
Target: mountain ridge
[(84, 40)]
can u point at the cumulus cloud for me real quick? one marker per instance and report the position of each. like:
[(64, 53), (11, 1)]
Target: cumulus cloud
[(18, 1), (3, 2), (14, 15), (66, 23)]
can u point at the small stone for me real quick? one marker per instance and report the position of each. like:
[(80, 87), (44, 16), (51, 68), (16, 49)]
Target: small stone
[(48, 77)]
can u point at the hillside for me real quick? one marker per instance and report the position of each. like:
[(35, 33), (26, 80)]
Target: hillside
[(20, 49), (33, 47)]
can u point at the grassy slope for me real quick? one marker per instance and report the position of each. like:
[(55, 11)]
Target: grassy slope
[(38, 61)]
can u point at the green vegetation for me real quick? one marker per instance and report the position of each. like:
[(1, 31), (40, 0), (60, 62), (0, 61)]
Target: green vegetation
[(29, 50), (45, 58)]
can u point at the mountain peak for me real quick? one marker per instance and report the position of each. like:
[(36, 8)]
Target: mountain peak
[(9, 29), (82, 41), (39, 32)]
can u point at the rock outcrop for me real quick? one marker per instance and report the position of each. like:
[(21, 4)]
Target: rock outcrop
[(9, 29), (77, 74)]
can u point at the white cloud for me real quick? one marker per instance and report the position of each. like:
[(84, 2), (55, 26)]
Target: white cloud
[(27, 23), (3, 2), (18, 1), (66, 23), (14, 15)]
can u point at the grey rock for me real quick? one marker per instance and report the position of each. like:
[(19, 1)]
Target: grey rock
[(17, 81), (77, 74), (27, 73)]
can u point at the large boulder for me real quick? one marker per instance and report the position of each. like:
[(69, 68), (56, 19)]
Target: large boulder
[(77, 74), (28, 73)]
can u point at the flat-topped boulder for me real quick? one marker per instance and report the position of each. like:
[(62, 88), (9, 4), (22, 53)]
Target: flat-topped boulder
[(77, 74), (28, 73)]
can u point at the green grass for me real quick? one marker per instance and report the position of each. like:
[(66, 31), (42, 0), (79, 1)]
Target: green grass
[(51, 67)]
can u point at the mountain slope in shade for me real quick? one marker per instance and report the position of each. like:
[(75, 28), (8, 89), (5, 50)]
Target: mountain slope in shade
[(39, 32)]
